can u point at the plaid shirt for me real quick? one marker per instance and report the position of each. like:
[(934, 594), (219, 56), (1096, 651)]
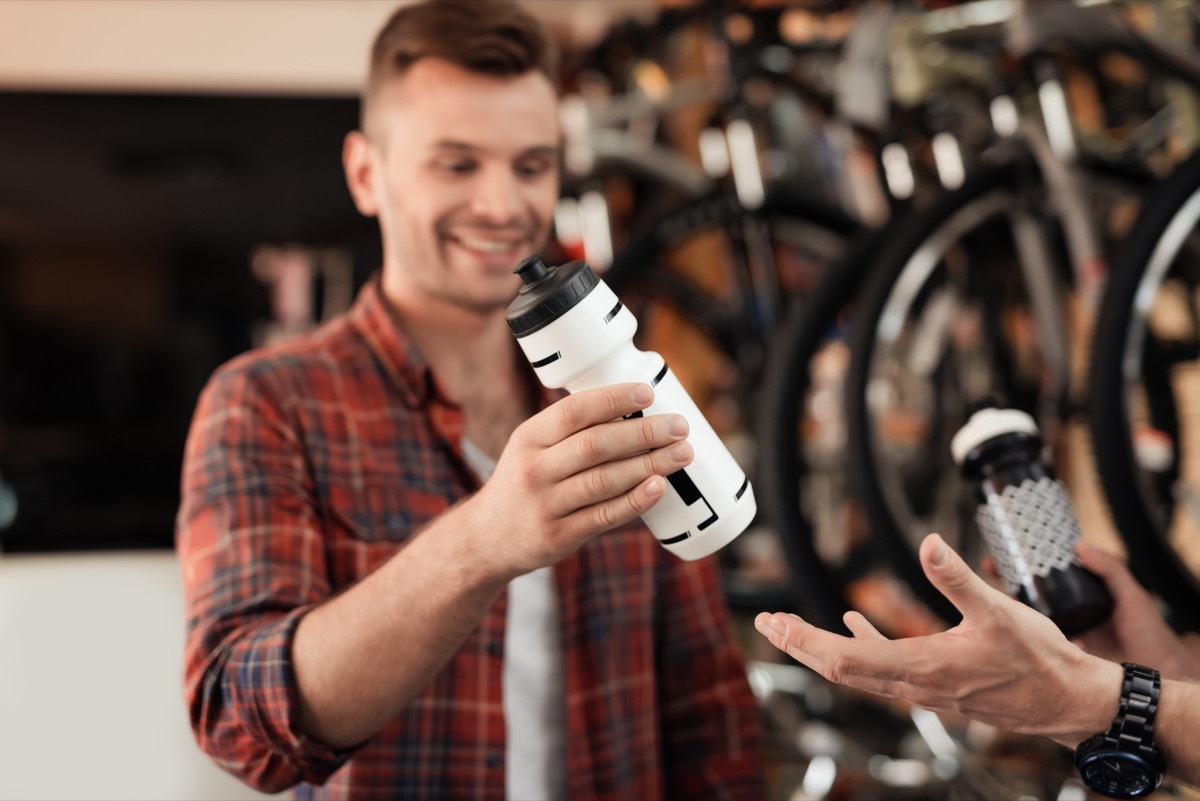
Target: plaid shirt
[(306, 467)]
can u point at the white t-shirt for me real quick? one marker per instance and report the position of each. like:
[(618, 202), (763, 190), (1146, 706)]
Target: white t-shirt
[(534, 717)]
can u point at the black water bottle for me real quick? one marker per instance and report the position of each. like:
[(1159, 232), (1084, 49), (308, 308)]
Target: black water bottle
[(1027, 521)]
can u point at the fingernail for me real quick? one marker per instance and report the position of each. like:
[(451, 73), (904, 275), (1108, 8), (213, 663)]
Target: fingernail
[(680, 452), (678, 425), (762, 623), (654, 488), (778, 627), (940, 553), (642, 394)]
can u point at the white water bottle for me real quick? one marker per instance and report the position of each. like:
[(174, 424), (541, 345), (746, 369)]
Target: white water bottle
[(578, 335)]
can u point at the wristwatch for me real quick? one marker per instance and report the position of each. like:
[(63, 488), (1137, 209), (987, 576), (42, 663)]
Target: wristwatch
[(1123, 762)]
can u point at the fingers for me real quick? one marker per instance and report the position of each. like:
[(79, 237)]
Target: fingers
[(860, 627), (585, 409), (790, 637), (871, 665), (953, 578), (615, 511), (612, 479), (620, 439), (1110, 568)]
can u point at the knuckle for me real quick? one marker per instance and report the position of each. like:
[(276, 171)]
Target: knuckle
[(589, 447), (646, 435), (613, 403), (605, 516), (570, 415), (600, 483), (841, 667), (528, 474)]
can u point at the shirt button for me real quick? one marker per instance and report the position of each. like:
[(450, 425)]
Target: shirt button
[(495, 759), (495, 648)]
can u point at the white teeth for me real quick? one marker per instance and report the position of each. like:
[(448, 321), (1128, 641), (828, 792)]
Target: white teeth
[(486, 245)]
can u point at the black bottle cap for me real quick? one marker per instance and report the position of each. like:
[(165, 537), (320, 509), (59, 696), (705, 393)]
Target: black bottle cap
[(547, 293)]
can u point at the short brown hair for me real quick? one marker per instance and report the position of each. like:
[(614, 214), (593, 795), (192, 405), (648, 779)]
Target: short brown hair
[(493, 37)]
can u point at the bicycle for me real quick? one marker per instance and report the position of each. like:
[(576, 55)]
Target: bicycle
[(1145, 355), (949, 323), (947, 319), (709, 276)]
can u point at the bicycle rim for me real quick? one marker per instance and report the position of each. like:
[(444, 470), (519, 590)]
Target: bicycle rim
[(683, 278), (1145, 379), (944, 326), (802, 445)]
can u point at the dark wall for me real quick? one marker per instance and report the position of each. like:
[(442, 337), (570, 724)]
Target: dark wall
[(127, 224)]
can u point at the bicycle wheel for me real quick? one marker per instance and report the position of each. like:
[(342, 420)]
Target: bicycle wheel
[(802, 442), (944, 326), (706, 282), (1144, 384)]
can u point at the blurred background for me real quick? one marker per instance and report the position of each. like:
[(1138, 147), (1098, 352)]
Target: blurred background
[(847, 224)]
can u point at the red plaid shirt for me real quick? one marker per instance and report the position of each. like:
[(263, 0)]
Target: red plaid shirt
[(306, 466)]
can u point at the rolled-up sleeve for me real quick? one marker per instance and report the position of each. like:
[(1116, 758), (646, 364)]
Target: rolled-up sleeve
[(253, 563)]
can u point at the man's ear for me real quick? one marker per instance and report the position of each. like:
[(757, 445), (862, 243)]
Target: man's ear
[(361, 163)]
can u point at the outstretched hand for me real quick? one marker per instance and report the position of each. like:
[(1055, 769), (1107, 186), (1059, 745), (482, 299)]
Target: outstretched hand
[(1005, 664)]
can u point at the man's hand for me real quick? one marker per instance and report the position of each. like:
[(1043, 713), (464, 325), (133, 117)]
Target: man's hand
[(1135, 632), (1005, 664), (576, 469)]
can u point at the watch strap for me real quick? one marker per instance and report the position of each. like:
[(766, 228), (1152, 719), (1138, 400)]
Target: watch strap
[(1133, 726), (1132, 730)]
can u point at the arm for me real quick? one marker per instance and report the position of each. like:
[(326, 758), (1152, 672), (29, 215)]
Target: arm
[(1004, 664), (711, 725), (278, 676), (567, 474)]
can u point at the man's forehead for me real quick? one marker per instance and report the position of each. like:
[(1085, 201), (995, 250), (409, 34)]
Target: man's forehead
[(435, 82), (449, 102)]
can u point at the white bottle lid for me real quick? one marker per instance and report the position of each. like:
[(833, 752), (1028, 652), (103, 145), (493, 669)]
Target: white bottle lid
[(986, 424)]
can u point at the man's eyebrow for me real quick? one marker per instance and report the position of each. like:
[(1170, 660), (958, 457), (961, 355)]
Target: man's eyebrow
[(550, 151)]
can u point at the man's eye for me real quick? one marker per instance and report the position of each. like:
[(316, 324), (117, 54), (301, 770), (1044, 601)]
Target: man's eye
[(533, 169), (457, 167)]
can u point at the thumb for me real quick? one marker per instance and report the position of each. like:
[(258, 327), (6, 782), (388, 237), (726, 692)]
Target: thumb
[(952, 577), (1109, 567)]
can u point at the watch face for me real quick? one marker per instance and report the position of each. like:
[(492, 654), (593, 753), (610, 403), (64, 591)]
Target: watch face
[(1118, 774)]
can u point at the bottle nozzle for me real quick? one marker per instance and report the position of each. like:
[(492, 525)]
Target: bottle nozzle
[(532, 269)]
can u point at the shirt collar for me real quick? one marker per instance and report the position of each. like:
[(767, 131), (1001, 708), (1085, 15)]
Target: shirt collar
[(374, 319)]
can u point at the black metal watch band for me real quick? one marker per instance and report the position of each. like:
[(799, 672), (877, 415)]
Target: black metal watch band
[(1133, 727), (1123, 761)]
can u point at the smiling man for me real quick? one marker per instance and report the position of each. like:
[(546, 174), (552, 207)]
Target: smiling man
[(409, 571)]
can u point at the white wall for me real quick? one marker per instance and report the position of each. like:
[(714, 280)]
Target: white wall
[(311, 46), (91, 701)]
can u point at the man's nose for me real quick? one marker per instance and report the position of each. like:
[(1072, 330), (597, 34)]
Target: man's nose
[(497, 196)]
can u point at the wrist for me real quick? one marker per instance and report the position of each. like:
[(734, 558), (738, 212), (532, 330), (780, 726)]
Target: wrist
[(1095, 698), (470, 542)]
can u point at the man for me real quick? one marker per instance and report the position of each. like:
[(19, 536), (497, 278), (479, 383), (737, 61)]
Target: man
[(370, 615), (1009, 666)]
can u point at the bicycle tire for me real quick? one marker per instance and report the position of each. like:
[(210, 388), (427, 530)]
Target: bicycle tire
[(640, 270), (934, 230), (783, 463), (1139, 501)]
